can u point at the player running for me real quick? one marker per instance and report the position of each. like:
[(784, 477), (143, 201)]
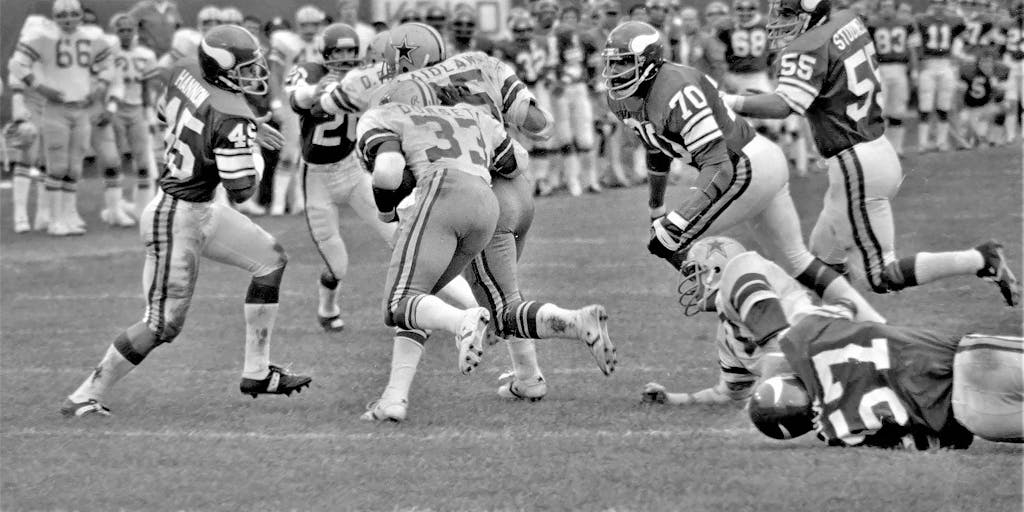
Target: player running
[(752, 298), (210, 141), (867, 384), (450, 153), (676, 111), (828, 72)]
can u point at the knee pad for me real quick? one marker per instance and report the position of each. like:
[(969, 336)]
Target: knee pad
[(895, 121), (923, 116), (143, 173), (327, 279), (568, 149), (1000, 119), (942, 115)]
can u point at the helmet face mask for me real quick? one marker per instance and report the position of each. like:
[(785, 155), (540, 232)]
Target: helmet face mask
[(702, 272), (632, 54), (746, 11), (787, 19), (464, 26), (375, 50)]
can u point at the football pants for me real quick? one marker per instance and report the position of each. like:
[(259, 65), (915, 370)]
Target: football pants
[(936, 85), (988, 382)]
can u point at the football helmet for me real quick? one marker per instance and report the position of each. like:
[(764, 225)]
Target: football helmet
[(887, 8), (522, 28), (464, 24), (412, 46), (702, 272), (746, 11), (339, 46), (207, 18), (231, 15), (781, 408), (787, 19), (633, 53), (436, 17), (409, 15), (715, 12), (413, 92), (309, 19), (375, 49), (231, 58), (546, 12), (68, 14)]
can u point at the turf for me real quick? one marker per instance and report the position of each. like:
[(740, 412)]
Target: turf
[(183, 438)]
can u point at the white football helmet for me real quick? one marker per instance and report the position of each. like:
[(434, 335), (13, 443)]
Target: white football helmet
[(702, 272), (231, 16), (207, 18)]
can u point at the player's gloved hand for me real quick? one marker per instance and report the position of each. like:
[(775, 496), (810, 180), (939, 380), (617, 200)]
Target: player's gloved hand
[(665, 238), (267, 136), (654, 393), (389, 216), (453, 94), (50, 93)]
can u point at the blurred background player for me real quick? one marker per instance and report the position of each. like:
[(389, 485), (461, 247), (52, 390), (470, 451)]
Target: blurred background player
[(983, 84), (896, 42), (613, 136), (210, 135), (658, 13), (158, 20), (940, 30), (134, 111), (1014, 58), (348, 14), (63, 78)]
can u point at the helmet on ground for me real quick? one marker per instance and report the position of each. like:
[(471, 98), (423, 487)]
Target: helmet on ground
[(231, 58), (633, 53), (412, 46), (787, 19), (702, 272), (339, 46), (781, 408)]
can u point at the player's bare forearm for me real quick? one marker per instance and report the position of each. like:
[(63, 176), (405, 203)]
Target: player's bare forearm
[(762, 106)]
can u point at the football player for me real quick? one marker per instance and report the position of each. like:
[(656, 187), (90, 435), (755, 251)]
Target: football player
[(868, 384), (490, 86), (657, 12), (983, 81), (742, 177), (1014, 58), (210, 140), (753, 298), (331, 173), (940, 31), (895, 40), (134, 112), (828, 73), (59, 66), (450, 153), (437, 17), (746, 49), (570, 51), (529, 54), (158, 20), (463, 31)]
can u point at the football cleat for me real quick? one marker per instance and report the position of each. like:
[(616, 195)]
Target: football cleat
[(471, 338), (58, 228), (516, 389), (90, 407), (379, 410), (278, 382), (997, 271), (593, 329), (331, 323), (654, 393), (22, 226)]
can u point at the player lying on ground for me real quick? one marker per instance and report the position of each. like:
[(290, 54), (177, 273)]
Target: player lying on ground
[(868, 384), (210, 136), (828, 72), (743, 177), (751, 297)]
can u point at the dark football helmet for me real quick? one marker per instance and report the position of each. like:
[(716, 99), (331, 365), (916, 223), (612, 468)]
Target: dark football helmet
[(464, 24), (781, 408), (787, 19), (339, 46), (231, 58), (522, 28), (412, 46), (633, 53)]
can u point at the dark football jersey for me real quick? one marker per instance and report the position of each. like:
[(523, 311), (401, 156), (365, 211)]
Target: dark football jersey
[(326, 139), (529, 58), (980, 33), (874, 384), (892, 38), (572, 52), (938, 32), (682, 114), (209, 137), (1015, 39), (980, 90), (746, 48), (830, 74)]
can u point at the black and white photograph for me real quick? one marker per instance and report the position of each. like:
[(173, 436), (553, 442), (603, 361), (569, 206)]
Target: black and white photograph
[(511, 255)]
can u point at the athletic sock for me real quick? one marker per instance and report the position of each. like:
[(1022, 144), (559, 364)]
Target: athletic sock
[(328, 291), (552, 321), (405, 357), (922, 134), (458, 292), (431, 313), (119, 360), (22, 184), (259, 326), (523, 353), (932, 266), (942, 134)]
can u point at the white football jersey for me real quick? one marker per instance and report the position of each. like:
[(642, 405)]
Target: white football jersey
[(65, 62), (134, 64), (285, 45)]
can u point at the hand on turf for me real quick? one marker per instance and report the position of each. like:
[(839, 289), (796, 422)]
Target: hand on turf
[(267, 136), (654, 393)]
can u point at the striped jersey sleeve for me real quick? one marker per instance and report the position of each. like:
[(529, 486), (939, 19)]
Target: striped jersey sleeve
[(801, 76), (26, 54), (513, 90), (690, 121), (233, 147)]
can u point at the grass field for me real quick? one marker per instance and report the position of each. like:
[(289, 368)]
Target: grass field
[(183, 438)]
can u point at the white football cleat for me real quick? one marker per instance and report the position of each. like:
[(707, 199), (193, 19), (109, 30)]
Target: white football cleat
[(516, 389), (22, 226), (42, 222), (593, 329), (379, 410), (471, 338)]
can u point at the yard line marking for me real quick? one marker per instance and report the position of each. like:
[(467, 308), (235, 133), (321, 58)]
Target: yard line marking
[(490, 370), (444, 435)]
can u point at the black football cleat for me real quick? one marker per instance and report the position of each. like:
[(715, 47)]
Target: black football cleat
[(997, 271), (331, 323), (278, 382), (90, 407)]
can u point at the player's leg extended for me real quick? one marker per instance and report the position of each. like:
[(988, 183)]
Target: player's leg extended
[(988, 383), (320, 189), (172, 234), (234, 239)]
